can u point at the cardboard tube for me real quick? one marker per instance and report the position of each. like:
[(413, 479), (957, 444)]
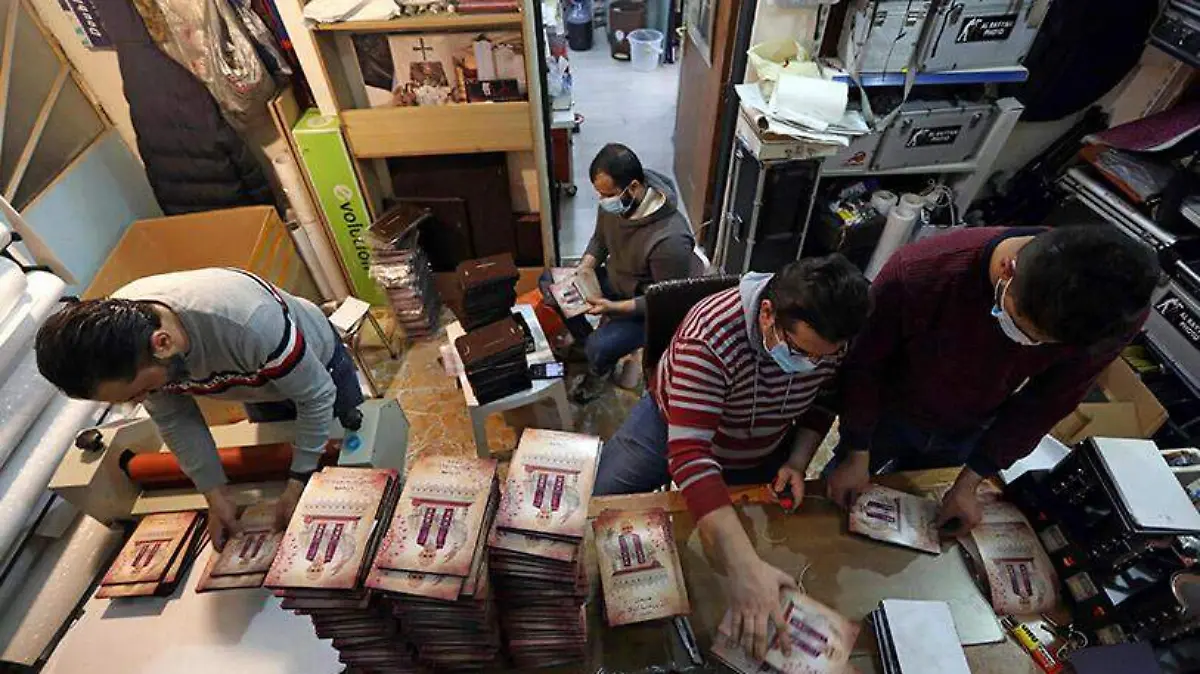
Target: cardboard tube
[(309, 255), (325, 257), (883, 201), (896, 233)]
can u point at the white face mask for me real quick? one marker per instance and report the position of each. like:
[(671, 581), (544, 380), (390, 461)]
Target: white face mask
[(789, 362), (616, 203), (1007, 325)]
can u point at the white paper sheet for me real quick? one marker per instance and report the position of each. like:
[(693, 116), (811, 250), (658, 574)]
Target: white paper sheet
[(923, 637), (26, 474), (809, 101), (1044, 456), (1149, 490)]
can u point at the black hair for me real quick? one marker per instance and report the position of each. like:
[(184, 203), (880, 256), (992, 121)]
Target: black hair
[(829, 293), (94, 341), (619, 163), (1086, 284)]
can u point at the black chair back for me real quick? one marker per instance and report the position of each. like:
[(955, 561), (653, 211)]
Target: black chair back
[(666, 305)]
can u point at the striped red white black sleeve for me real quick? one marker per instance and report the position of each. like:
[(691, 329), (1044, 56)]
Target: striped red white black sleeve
[(692, 387)]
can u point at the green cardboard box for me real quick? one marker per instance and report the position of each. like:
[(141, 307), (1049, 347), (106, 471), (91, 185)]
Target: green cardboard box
[(330, 167)]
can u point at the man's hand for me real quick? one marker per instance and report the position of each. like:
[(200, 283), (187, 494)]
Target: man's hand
[(960, 510), (602, 306), (222, 516), (789, 482), (849, 478), (754, 603), (587, 262), (287, 504)]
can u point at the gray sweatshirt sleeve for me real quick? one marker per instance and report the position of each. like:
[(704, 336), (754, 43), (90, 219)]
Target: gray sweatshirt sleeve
[(670, 259), (308, 385), (182, 427)]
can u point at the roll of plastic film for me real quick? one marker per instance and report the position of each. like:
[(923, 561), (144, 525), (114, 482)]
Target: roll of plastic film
[(22, 397), (896, 233), (42, 294), (911, 203), (883, 201), (6, 236), (12, 285), (27, 472)]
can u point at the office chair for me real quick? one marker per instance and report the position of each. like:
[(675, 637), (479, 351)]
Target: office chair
[(666, 305)]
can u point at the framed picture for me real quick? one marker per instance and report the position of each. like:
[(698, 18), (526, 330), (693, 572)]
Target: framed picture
[(442, 68), (699, 15)]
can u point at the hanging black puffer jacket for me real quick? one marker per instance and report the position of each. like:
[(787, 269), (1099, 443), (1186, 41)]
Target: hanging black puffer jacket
[(195, 161)]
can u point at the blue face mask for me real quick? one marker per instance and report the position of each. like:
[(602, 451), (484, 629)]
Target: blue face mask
[(789, 362)]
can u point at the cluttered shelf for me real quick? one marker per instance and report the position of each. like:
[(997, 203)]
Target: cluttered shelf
[(426, 22), (445, 129)]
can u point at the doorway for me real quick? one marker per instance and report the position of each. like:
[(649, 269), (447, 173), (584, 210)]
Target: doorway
[(608, 100)]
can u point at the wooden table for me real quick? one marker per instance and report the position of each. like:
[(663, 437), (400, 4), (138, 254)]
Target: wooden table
[(849, 573)]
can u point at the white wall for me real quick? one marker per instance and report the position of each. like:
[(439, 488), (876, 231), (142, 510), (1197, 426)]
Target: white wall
[(97, 69)]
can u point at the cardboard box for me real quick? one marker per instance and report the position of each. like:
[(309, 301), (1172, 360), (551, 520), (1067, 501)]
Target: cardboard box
[(1132, 411), (331, 172), (251, 238)]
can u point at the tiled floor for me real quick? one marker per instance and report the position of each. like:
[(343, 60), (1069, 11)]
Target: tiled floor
[(619, 105)]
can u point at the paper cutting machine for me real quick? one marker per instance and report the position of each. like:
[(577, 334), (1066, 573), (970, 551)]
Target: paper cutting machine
[(95, 480)]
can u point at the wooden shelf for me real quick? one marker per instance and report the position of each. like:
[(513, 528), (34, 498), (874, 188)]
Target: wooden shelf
[(426, 23), (377, 133)]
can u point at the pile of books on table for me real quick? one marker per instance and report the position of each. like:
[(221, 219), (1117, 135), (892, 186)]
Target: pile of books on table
[(639, 566), (156, 556), (493, 359), (247, 555), (489, 289), (821, 641), (536, 548), (432, 563), (323, 560), (407, 278)]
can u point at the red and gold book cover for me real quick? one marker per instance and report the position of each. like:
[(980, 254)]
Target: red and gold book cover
[(549, 483), (150, 551), (639, 566)]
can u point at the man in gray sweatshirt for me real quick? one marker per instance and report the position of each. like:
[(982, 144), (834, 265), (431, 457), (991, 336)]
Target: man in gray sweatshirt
[(641, 238), (220, 333)]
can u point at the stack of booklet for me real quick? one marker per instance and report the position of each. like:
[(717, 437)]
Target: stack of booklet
[(156, 556), (247, 554), (1010, 561), (916, 637), (821, 641), (639, 566), (536, 548), (896, 517), (433, 565), (323, 562)]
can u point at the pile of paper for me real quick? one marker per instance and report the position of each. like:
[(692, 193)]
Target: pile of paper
[(323, 562), (821, 641), (155, 557), (536, 548), (247, 554), (896, 517), (916, 637), (639, 566), (811, 109), (1014, 566), (433, 566)]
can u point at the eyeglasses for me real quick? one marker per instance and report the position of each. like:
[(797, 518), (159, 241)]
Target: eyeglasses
[(795, 350)]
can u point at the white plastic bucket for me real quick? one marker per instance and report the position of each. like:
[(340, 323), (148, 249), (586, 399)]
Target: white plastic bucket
[(645, 49)]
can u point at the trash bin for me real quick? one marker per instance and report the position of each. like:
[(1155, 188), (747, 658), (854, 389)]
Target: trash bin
[(579, 26), (645, 49), (624, 17)]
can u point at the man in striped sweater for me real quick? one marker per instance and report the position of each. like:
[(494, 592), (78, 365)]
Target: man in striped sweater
[(732, 403)]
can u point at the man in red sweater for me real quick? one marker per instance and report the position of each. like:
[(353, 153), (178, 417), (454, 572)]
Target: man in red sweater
[(727, 399), (980, 341)]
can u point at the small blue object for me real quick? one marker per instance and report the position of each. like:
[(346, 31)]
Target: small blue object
[(352, 442)]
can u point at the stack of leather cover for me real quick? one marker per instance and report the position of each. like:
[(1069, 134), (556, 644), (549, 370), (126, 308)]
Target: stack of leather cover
[(489, 289), (493, 358), (247, 555), (323, 561), (156, 556), (407, 279), (432, 563), (535, 551)]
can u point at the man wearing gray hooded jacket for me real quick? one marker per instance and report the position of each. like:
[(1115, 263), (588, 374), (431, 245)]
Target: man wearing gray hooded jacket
[(641, 238)]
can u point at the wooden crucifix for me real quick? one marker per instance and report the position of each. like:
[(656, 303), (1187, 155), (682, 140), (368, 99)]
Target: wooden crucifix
[(422, 48)]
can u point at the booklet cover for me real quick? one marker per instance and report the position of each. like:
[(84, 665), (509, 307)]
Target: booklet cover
[(639, 566), (149, 552), (252, 549), (821, 637), (550, 483), (573, 290), (896, 517)]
